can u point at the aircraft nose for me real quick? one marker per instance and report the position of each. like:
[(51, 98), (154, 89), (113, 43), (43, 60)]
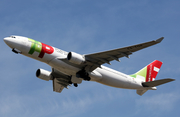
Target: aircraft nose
[(6, 40), (9, 41)]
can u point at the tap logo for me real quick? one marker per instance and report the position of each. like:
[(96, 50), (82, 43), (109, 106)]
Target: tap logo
[(41, 48)]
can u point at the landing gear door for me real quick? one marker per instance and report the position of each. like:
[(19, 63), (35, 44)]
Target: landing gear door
[(74, 79)]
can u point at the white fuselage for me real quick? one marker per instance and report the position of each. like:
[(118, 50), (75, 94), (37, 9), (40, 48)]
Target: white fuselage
[(103, 75)]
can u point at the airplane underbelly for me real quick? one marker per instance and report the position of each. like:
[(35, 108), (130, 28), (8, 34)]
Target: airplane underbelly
[(112, 79), (63, 67)]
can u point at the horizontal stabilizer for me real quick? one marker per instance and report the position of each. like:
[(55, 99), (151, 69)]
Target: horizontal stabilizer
[(157, 82), (141, 92)]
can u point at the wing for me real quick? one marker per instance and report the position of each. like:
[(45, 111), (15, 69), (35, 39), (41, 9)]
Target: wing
[(97, 59), (60, 81), (56, 86)]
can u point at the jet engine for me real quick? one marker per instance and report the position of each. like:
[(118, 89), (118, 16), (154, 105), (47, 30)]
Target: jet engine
[(75, 58), (44, 74)]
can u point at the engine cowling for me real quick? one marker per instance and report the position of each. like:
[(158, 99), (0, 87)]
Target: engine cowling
[(44, 74), (75, 58)]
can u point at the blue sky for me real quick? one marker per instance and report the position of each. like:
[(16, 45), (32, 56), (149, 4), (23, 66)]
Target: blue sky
[(88, 26)]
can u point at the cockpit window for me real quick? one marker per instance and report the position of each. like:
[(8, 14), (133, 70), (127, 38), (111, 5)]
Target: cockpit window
[(12, 36)]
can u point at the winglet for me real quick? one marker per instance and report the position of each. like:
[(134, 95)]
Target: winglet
[(159, 40)]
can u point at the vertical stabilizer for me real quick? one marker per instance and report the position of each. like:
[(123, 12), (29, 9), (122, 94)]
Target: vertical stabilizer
[(149, 72)]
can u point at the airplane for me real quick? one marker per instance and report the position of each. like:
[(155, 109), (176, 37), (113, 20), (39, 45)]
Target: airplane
[(72, 68)]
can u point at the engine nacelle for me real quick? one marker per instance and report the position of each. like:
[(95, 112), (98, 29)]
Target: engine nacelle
[(44, 74), (75, 58)]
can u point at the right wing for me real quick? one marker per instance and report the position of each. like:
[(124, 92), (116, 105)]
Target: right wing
[(97, 59), (60, 81)]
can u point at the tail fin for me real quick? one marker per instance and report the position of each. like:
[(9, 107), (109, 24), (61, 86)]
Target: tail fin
[(149, 72)]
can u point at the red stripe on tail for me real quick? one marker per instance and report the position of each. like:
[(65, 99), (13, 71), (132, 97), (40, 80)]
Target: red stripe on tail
[(152, 70)]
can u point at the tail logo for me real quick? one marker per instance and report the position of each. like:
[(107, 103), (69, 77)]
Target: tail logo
[(152, 70), (149, 72), (156, 69)]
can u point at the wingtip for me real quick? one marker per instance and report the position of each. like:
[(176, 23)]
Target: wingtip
[(171, 79), (159, 40)]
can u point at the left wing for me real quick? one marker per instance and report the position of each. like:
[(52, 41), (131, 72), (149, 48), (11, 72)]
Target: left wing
[(56, 86), (97, 59), (60, 81)]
